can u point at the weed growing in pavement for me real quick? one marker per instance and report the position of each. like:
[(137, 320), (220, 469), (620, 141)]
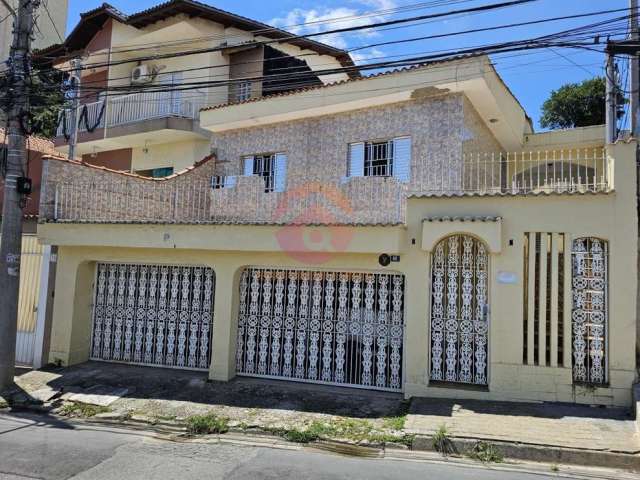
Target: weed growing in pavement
[(355, 430), (206, 424), (394, 423), (486, 453), (441, 441), (85, 410)]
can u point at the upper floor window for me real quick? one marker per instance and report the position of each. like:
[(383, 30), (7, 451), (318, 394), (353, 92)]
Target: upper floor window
[(243, 91), (272, 167), (381, 158), (378, 159), (156, 172)]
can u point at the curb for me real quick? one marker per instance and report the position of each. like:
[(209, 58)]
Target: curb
[(421, 443), (541, 453)]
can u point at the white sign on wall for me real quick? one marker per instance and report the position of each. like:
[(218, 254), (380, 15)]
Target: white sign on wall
[(508, 278)]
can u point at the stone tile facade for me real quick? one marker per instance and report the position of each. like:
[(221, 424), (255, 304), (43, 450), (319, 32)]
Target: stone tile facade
[(442, 129), (317, 148)]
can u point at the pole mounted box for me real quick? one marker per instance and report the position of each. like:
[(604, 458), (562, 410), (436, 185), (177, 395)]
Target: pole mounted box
[(24, 185)]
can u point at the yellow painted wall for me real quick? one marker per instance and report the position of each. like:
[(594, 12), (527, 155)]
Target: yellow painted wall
[(227, 249), (178, 155)]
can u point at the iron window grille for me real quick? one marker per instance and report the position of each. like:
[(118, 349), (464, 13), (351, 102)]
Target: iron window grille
[(265, 166), (378, 159), (244, 91)]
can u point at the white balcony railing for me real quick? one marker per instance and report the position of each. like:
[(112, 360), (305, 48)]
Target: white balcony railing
[(561, 171), (136, 107)]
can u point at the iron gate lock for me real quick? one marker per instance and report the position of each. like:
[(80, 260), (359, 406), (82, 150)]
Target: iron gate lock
[(24, 185)]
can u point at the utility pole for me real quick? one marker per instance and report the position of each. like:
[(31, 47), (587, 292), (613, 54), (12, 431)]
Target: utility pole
[(611, 111), (11, 236), (634, 71), (75, 115)]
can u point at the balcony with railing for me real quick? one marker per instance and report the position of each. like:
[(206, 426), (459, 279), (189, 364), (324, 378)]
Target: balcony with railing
[(84, 194), (127, 109)]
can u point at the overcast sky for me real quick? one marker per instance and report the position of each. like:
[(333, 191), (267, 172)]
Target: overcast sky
[(530, 76)]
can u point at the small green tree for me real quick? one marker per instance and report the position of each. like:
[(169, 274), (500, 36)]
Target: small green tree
[(577, 105), (46, 99)]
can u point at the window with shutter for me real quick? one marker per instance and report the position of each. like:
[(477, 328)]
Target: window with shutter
[(280, 180), (356, 160), (264, 165), (402, 159), (247, 166), (381, 158), (223, 181)]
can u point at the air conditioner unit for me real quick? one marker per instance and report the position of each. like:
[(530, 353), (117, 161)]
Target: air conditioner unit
[(141, 74)]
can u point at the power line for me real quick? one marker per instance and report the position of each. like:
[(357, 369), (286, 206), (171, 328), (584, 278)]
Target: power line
[(589, 14), (482, 8), (55, 27)]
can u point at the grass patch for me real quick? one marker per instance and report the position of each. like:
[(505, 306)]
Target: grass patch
[(355, 430), (486, 453), (555, 468), (394, 423), (205, 424), (84, 410)]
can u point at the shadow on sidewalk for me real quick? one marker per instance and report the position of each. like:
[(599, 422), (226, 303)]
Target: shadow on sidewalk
[(243, 392)]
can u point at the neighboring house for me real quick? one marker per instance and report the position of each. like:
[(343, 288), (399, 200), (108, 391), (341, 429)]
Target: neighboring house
[(37, 269), (405, 231), (131, 131), (51, 25)]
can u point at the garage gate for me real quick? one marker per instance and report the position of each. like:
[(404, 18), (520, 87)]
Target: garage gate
[(158, 315), (334, 327)]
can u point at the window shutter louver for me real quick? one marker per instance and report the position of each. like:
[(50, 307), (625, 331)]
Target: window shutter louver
[(402, 159), (248, 166), (280, 180), (230, 181), (356, 160)]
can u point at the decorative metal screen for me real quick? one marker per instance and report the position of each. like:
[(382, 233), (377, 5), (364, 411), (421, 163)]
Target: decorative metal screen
[(327, 327), (153, 315), (459, 317), (589, 313)]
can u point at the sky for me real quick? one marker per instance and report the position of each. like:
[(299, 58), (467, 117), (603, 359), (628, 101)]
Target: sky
[(531, 76)]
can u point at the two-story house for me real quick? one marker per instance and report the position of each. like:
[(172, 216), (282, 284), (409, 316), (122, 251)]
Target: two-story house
[(152, 108), (405, 231)]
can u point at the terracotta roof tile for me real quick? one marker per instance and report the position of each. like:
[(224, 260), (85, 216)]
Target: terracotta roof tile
[(35, 144)]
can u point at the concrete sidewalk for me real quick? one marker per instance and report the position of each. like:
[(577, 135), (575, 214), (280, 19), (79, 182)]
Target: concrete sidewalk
[(255, 404), (557, 425)]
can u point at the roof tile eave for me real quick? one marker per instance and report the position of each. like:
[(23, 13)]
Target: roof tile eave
[(337, 83)]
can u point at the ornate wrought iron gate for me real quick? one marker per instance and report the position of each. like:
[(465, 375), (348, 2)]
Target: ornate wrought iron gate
[(459, 315), (159, 315), (343, 328), (589, 313)]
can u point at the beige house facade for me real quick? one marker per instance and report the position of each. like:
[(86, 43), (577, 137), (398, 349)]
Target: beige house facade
[(52, 25), (405, 232)]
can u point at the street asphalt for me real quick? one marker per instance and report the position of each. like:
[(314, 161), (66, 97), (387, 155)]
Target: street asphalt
[(33, 446)]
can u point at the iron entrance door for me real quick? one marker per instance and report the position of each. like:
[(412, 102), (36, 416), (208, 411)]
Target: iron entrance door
[(159, 315), (341, 328), (459, 314)]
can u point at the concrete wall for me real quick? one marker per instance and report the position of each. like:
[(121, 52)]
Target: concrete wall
[(228, 248)]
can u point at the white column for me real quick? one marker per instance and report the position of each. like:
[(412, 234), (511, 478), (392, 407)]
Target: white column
[(42, 307)]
